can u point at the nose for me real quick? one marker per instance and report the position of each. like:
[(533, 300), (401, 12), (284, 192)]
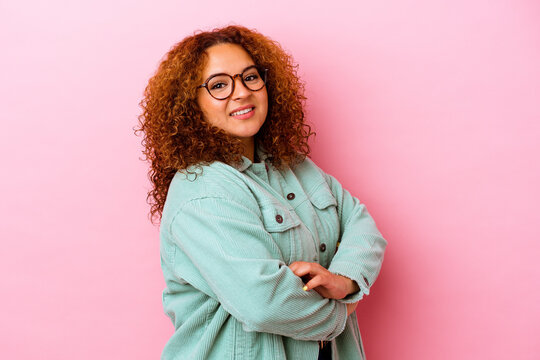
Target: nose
[(239, 90)]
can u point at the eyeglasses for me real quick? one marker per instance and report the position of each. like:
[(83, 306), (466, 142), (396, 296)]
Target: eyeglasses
[(221, 86)]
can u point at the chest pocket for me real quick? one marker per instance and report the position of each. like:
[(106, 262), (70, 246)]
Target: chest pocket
[(280, 222)]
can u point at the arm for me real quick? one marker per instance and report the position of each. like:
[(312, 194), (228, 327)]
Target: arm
[(361, 249), (228, 244), (328, 285)]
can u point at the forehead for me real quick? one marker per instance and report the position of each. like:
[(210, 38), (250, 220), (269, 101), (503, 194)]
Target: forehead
[(226, 58)]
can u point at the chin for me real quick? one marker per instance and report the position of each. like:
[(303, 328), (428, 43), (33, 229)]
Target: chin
[(247, 132), (245, 135)]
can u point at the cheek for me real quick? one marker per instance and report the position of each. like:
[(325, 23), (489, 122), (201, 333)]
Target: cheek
[(264, 100), (211, 109)]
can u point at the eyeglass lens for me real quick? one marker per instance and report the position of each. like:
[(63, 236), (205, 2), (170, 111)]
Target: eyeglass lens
[(221, 86)]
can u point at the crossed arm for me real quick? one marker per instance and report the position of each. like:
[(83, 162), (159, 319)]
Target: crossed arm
[(327, 284), (359, 257), (237, 249)]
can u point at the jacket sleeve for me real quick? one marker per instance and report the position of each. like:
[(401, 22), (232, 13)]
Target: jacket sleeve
[(227, 242), (361, 248)]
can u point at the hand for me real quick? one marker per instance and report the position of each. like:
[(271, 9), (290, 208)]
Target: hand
[(351, 308), (327, 284)]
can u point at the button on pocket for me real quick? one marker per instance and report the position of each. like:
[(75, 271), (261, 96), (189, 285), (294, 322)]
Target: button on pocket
[(282, 224), (290, 196), (278, 218)]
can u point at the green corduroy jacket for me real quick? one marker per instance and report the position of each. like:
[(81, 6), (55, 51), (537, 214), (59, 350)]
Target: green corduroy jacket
[(226, 238)]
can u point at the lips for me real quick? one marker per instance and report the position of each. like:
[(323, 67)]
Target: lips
[(241, 108)]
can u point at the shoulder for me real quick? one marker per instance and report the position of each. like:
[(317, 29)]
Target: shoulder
[(308, 166), (216, 180), (309, 174)]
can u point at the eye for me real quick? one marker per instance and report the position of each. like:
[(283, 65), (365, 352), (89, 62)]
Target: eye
[(251, 77), (218, 85)]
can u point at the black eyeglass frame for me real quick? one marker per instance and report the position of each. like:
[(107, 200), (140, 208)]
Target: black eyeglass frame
[(233, 77)]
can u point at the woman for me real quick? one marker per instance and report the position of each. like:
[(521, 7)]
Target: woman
[(250, 226)]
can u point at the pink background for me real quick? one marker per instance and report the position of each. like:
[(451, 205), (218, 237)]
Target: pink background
[(427, 110)]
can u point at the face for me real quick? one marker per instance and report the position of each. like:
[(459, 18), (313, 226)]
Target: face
[(232, 59)]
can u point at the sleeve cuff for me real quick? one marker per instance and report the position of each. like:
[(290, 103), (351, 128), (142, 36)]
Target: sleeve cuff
[(353, 272)]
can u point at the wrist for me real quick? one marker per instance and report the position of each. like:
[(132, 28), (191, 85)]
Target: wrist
[(351, 286), (354, 287)]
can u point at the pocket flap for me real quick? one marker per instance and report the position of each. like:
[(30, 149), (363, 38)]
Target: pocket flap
[(322, 197), (277, 218)]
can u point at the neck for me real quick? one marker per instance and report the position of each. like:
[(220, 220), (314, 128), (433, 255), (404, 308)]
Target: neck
[(249, 148)]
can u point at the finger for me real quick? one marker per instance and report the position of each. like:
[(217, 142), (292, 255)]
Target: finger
[(303, 268), (317, 280), (293, 266), (297, 264)]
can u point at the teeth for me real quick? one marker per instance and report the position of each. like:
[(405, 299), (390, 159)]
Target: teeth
[(245, 111)]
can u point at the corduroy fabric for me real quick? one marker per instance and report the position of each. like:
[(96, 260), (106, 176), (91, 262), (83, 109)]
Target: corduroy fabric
[(226, 239)]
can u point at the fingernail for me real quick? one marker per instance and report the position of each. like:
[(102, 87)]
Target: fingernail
[(305, 288)]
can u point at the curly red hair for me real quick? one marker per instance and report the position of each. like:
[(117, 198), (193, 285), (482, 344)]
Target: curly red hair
[(175, 134)]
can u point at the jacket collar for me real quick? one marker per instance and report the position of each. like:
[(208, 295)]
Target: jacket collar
[(246, 163)]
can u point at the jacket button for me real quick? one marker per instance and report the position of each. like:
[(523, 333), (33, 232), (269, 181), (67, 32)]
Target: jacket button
[(290, 196), (322, 247), (279, 219)]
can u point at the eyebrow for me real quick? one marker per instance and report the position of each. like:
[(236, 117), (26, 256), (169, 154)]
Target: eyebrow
[(222, 73)]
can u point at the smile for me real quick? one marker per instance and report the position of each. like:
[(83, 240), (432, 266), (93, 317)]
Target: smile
[(242, 112)]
